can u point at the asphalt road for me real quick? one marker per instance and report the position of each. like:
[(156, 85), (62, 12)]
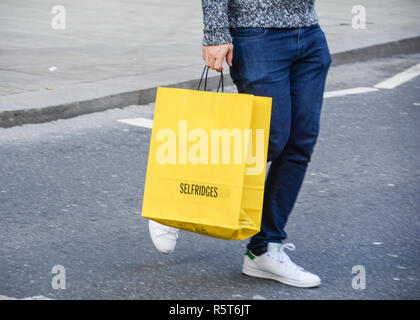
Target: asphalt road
[(71, 193)]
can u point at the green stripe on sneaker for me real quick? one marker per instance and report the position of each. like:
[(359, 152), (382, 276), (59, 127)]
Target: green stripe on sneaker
[(250, 255)]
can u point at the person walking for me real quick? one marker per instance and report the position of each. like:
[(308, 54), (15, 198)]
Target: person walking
[(274, 48)]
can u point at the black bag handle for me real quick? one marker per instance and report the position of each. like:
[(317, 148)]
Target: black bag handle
[(206, 71)]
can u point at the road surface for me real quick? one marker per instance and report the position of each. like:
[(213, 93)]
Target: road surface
[(71, 193)]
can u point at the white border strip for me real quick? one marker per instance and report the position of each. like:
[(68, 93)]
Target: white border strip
[(28, 298)]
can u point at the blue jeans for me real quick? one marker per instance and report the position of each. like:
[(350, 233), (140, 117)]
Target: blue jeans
[(291, 66)]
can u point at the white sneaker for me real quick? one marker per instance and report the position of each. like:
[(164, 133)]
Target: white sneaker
[(163, 237), (275, 264)]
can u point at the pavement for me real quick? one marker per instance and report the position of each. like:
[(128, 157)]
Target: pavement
[(115, 53), (71, 192)]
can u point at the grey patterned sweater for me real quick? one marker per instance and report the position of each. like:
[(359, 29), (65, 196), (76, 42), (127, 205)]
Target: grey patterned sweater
[(220, 15)]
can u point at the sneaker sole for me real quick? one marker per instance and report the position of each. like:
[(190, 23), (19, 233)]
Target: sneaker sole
[(267, 275)]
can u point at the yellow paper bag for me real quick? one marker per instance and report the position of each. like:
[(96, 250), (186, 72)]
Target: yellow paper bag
[(207, 161)]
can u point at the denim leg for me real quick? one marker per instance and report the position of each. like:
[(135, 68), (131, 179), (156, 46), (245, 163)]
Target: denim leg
[(307, 82), (290, 66)]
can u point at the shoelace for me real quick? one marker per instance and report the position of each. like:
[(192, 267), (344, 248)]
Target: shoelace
[(283, 257)]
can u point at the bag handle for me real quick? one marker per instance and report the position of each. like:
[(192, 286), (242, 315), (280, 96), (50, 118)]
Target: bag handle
[(206, 71)]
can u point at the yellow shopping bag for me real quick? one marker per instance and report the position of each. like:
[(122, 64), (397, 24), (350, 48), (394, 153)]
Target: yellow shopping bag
[(207, 161)]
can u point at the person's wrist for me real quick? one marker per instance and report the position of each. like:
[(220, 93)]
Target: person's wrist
[(216, 37)]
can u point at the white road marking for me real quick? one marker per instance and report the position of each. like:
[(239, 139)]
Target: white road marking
[(399, 78), (345, 92), (148, 123), (389, 83), (140, 122)]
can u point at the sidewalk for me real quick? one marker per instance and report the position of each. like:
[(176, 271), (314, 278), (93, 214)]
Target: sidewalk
[(115, 53)]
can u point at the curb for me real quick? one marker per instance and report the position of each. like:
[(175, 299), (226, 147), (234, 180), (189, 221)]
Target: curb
[(11, 118), (383, 50)]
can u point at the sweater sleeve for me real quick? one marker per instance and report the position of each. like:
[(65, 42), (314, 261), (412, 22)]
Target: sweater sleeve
[(216, 22)]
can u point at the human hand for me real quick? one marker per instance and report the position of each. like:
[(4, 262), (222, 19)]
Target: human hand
[(214, 56)]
